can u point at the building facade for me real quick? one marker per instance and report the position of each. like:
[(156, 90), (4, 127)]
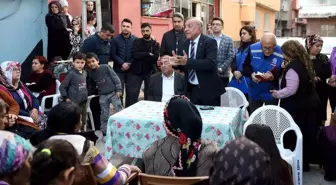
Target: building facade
[(258, 13), (156, 12), (287, 23), (321, 20)]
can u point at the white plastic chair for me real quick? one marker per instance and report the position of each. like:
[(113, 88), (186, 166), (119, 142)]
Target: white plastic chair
[(89, 115), (55, 98), (280, 121), (233, 97)]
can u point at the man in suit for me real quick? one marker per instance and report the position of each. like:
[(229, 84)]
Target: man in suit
[(198, 56), (172, 39), (166, 84), (225, 49)]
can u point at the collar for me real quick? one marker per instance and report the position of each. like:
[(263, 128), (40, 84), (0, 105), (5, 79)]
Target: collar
[(220, 36), (168, 78), (196, 40)]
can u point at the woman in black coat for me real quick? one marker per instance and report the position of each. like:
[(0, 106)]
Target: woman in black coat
[(58, 32)]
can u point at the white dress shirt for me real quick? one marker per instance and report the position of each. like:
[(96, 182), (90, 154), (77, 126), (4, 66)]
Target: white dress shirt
[(218, 39), (167, 87), (195, 81)]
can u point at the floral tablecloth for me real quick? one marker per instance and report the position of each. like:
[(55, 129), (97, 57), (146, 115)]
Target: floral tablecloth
[(131, 131)]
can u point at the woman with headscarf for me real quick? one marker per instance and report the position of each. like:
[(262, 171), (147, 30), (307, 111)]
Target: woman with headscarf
[(297, 95), (29, 117), (182, 152), (263, 136), (14, 159), (241, 162), (321, 66), (58, 32), (64, 122)]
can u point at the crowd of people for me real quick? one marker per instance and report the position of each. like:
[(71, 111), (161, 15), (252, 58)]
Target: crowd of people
[(188, 68)]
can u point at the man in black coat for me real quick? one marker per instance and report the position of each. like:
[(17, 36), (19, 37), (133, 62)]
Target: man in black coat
[(173, 39), (198, 57)]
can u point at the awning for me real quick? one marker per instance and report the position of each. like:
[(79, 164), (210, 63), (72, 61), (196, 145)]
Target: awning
[(317, 12)]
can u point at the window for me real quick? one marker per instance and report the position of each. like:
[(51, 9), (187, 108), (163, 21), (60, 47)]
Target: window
[(328, 31), (156, 8), (266, 22), (257, 20)]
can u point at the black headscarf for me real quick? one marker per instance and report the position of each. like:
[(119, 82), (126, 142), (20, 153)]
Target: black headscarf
[(241, 162), (182, 120), (59, 14)]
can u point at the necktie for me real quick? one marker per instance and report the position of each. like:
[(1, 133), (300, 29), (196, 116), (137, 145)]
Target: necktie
[(192, 73), (177, 41)]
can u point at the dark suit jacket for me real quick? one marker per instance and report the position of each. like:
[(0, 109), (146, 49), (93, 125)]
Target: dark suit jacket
[(168, 43), (155, 86), (205, 66)]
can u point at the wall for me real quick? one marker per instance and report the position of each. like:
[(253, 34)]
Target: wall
[(260, 30), (23, 29), (314, 25), (231, 16)]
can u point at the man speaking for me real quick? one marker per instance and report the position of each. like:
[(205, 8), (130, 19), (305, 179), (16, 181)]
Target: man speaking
[(198, 57)]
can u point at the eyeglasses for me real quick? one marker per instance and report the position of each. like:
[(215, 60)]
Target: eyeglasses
[(268, 48), (217, 24)]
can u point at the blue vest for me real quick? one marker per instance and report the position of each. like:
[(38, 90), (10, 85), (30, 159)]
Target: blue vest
[(260, 63), (244, 83)]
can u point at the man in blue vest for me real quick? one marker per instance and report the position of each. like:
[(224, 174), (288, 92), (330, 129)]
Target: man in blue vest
[(263, 65)]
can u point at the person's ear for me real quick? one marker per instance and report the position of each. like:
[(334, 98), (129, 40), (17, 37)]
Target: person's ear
[(67, 174)]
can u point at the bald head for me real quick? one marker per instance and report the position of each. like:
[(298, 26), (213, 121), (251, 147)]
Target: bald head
[(268, 43), (193, 28)]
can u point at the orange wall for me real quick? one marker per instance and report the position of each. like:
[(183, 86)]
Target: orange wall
[(235, 15)]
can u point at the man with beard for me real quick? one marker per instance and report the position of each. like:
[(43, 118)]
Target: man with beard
[(173, 39), (146, 53), (121, 51)]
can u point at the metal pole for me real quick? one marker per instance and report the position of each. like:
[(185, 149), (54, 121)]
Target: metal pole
[(84, 15), (84, 18)]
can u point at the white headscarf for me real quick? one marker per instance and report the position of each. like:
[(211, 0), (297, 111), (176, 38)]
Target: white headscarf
[(7, 68)]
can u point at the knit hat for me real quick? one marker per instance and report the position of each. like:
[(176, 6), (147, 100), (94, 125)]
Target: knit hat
[(64, 3), (14, 151)]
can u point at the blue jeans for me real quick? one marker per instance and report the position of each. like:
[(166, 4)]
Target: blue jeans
[(105, 101)]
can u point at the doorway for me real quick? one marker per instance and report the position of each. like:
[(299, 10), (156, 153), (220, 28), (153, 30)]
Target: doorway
[(106, 9)]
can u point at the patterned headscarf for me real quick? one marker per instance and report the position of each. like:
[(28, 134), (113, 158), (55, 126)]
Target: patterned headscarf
[(183, 121), (241, 162), (311, 40), (295, 50), (14, 151), (7, 68)]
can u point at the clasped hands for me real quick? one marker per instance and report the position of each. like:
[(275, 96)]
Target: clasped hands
[(177, 60)]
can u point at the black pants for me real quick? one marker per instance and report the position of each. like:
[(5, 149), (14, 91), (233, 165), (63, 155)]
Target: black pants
[(194, 93), (135, 82), (332, 98), (255, 104), (322, 90), (124, 79), (225, 81)]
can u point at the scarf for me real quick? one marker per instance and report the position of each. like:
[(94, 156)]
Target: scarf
[(296, 51), (60, 14), (241, 162), (311, 40), (14, 151), (183, 121), (6, 81)]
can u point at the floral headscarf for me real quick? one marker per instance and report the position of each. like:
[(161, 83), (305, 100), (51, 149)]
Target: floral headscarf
[(6, 77), (14, 151), (311, 40), (183, 121), (241, 162), (295, 50)]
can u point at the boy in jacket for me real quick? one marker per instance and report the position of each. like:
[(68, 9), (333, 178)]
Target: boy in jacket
[(109, 87), (73, 87)]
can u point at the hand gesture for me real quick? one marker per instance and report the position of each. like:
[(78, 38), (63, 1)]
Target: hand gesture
[(274, 93), (237, 75), (125, 66), (118, 94)]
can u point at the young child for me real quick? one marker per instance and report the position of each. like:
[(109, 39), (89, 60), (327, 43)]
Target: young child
[(55, 162), (73, 87), (109, 87)]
